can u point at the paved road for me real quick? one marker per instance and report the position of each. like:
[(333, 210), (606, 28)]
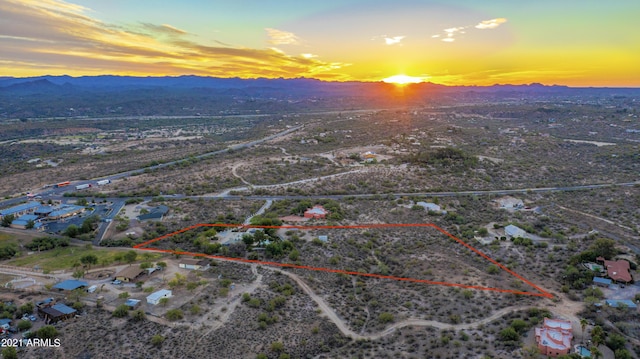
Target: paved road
[(225, 194), (54, 191)]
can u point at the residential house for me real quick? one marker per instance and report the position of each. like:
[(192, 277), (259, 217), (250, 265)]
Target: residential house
[(194, 264), (56, 313), (512, 231), (129, 274), (508, 202), (554, 338), (155, 214), (316, 211), (618, 271)]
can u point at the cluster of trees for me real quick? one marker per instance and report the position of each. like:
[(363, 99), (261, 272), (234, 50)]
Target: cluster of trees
[(8, 250), (46, 243), (7, 220), (444, 157), (88, 225), (579, 278)]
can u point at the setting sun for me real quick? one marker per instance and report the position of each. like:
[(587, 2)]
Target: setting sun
[(403, 80)]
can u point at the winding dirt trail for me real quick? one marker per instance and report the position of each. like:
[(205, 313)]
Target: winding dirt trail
[(565, 308)]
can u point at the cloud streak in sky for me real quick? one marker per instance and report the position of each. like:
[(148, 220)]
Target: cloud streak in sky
[(279, 37), (449, 35), (56, 37), (491, 24), (393, 40)]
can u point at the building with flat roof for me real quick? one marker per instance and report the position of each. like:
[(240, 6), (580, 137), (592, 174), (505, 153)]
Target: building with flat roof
[(70, 284), (19, 210), (512, 231), (554, 338), (23, 221), (154, 298), (619, 303), (194, 263), (603, 282), (64, 211)]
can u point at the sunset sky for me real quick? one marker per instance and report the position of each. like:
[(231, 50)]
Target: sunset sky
[(457, 42)]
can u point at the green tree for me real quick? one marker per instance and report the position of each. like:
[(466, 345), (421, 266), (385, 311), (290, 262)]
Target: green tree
[(30, 224), (9, 353), (509, 334), (615, 341), (157, 340), (492, 269), (595, 353), (24, 325), (7, 220), (583, 325), (121, 311), (294, 255), (174, 314), (163, 302), (47, 332), (385, 317), (27, 308), (72, 231), (277, 347), (597, 335), (604, 247), (519, 325), (138, 315), (130, 256), (89, 259), (622, 354), (79, 273)]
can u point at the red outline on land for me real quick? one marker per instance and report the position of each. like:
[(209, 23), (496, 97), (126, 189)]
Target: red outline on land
[(542, 293)]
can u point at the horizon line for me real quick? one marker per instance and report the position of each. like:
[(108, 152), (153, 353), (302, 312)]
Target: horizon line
[(381, 81)]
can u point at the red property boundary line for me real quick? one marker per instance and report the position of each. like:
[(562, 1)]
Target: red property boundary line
[(541, 292)]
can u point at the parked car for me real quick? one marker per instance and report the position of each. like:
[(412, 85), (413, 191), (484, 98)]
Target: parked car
[(117, 281), (33, 318)]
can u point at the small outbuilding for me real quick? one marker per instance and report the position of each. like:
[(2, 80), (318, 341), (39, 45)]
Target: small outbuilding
[(154, 298), (619, 303), (132, 303), (194, 264), (602, 282)]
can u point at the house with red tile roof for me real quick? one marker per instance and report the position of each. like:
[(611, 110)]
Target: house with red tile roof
[(316, 211), (618, 271), (554, 338)]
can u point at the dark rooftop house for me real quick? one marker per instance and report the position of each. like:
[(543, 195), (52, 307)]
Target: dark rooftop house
[(56, 313), (156, 213), (70, 284)]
